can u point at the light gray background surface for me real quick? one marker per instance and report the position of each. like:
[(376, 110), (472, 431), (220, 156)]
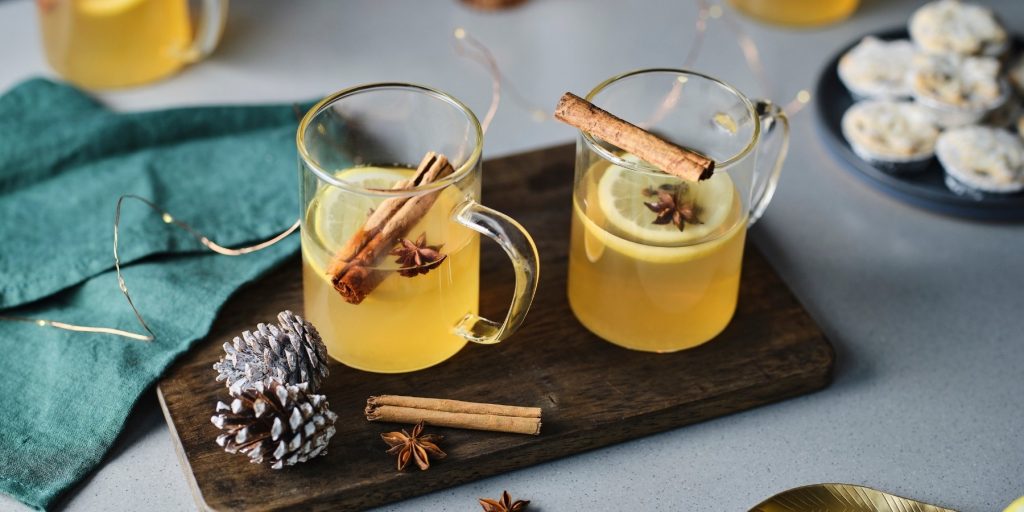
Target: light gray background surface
[(925, 311)]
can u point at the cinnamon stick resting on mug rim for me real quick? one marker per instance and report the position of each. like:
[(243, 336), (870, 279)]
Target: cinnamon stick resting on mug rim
[(454, 414), (670, 158)]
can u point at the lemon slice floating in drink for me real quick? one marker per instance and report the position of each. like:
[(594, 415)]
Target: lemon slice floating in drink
[(338, 213), (617, 218), (620, 195), (335, 214)]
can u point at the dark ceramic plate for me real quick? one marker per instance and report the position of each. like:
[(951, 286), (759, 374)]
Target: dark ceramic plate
[(925, 189)]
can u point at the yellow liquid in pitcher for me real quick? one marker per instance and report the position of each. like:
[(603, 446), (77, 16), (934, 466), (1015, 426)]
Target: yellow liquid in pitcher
[(406, 323), (649, 297), (114, 43), (798, 12)]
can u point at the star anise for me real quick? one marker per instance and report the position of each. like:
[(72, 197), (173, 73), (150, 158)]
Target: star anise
[(504, 505), (414, 446), (417, 257), (670, 208)]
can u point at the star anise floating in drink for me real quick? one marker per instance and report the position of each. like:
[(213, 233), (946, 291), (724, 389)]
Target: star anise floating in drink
[(671, 207), (504, 505), (417, 257), (415, 446)]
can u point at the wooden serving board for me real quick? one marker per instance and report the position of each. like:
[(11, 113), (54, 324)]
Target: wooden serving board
[(593, 393)]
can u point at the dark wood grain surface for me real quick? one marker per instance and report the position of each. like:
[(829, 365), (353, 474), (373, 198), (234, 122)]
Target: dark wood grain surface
[(593, 393)]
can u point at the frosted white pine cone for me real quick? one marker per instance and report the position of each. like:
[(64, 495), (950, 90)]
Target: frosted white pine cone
[(277, 423), (290, 351)]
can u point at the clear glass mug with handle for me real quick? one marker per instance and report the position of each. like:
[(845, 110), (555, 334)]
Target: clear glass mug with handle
[(100, 44), (354, 147), (655, 260)]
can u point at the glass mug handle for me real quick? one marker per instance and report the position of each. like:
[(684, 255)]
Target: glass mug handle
[(517, 243), (212, 16), (772, 118)]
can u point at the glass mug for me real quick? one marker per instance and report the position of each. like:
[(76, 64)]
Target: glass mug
[(101, 44), (635, 278), (354, 146)]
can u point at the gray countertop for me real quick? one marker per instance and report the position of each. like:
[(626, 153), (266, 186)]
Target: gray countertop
[(924, 311)]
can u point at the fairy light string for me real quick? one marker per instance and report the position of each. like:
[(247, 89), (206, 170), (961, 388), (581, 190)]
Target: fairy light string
[(77, 328), (751, 54), (206, 242), (706, 11), (469, 47), (703, 13), (168, 219)]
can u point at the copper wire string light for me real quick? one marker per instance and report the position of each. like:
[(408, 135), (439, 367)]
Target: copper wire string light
[(703, 13), (471, 48), (207, 243), (752, 55), (77, 328), (468, 47), (168, 219)]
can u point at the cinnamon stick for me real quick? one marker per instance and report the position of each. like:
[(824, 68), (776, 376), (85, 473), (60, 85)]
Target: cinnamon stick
[(352, 269), (454, 413), (670, 158), (442, 404)]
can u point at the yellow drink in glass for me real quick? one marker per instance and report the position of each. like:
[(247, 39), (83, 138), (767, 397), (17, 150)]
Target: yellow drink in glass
[(406, 323), (113, 43), (798, 12), (101, 44), (411, 277), (649, 286), (654, 260)]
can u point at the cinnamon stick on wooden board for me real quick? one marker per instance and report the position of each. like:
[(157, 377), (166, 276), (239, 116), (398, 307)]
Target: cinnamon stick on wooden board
[(352, 269), (670, 158), (454, 414)]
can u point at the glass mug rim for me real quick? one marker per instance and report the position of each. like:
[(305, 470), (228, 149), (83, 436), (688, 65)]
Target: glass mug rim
[(720, 166), (325, 176)]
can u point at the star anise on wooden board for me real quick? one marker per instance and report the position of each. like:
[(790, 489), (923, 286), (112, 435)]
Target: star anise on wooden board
[(505, 504), (670, 207), (417, 257), (415, 446)]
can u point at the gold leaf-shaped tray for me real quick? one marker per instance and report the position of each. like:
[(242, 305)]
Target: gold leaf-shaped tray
[(841, 498)]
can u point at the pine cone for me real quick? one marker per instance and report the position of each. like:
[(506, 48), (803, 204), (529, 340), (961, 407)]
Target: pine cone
[(278, 421), (291, 352)]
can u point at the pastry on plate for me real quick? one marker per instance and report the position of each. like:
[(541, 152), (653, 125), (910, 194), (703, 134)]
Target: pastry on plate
[(980, 159), (895, 136), (958, 90), (877, 69), (951, 26)]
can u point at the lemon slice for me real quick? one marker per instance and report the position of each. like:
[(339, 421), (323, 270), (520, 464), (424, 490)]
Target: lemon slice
[(335, 214), (106, 7), (339, 213), (620, 197)]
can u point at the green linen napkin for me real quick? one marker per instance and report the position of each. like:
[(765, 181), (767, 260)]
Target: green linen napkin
[(64, 160)]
